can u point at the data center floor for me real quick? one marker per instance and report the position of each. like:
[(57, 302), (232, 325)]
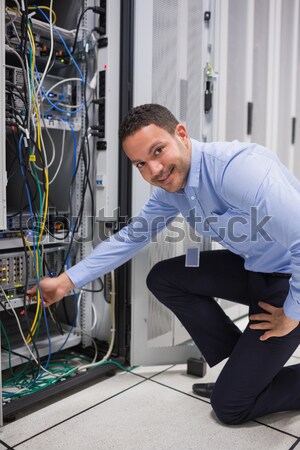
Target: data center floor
[(148, 408)]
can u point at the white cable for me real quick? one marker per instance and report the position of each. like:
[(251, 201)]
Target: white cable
[(33, 356), (113, 326), (12, 50), (46, 165), (30, 117), (41, 113), (12, 22), (78, 329), (65, 105), (67, 80), (51, 48), (18, 7), (95, 319), (50, 139), (61, 157), (22, 334)]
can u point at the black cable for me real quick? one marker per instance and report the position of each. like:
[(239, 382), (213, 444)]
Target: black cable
[(96, 10), (17, 354), (78, 25), (10, 87), (23, 30), (86, 153), (25, 163), (16, 115), (3, 305), (29, 362), (31, 182), (85, 182), (19, 94), (95, 290), (23, 40), (26, 280)]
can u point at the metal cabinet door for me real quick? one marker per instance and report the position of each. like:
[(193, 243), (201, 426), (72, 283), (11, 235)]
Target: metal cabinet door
[(172, 49)]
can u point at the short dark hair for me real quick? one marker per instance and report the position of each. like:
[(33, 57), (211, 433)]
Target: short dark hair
[(144, 115)]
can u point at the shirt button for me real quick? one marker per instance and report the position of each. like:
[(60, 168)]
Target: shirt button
[(193, 197)]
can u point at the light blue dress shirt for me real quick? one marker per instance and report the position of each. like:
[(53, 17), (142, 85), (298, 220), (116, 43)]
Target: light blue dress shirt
[(237, 193)]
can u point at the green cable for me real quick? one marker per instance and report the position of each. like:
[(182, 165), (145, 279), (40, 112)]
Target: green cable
[(62, 368), (9, 348)]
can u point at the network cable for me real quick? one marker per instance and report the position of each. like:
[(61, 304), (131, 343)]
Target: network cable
[(34, 163)]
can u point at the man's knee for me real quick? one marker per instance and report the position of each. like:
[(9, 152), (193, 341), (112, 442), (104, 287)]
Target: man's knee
[(156, 276), (226, 410)]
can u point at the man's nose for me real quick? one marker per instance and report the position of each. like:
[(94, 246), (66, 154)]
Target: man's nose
[(155, 167)]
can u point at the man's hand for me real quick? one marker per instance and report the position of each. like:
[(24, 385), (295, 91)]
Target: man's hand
[(274, 320), (52, 289)]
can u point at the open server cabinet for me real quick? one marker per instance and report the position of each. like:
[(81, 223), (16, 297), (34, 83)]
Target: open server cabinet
[(60, 84)]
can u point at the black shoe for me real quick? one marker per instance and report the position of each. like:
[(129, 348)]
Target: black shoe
[(203, 389)]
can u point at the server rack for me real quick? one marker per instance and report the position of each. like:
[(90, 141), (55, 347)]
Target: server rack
[(19, 268)]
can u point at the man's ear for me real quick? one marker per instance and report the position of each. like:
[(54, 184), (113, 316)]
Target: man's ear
[(181, 132)]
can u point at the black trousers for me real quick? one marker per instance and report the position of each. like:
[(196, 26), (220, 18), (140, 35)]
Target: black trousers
[(253, 382)]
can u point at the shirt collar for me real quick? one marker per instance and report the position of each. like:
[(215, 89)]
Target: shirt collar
[(193, 179)]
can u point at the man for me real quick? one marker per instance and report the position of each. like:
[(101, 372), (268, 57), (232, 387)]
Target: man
[(241, 195)]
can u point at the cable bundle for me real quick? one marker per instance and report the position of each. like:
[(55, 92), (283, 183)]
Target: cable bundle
[(26, 119)]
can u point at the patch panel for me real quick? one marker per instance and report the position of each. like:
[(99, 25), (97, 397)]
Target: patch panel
[(13, 270), (62, 94)]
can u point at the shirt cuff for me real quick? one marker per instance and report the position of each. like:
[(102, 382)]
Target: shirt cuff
[(79, 275), (291, 307)]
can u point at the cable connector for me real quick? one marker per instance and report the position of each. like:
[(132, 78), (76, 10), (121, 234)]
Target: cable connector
[(97, 127), (99, 30), (99, 101), (101, 145), (102, 42), (98, 134), (98, 10)]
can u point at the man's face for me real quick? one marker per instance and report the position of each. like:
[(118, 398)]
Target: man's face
[(163, 159)]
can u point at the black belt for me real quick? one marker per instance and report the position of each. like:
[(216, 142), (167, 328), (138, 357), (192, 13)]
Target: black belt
[(280, 275)]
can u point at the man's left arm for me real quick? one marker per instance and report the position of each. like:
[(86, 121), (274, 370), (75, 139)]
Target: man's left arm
[(278, 198)]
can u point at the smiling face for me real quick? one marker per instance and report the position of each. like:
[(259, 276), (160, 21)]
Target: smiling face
[(163, 159)]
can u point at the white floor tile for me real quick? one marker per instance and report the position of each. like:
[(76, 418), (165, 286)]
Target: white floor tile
[(242, 323), (178, 378), (150, 416), (288, 421), (150, 371), (62, 409)]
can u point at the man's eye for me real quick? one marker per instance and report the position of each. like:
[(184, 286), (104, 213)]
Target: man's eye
[(140, 165), (158, 151)]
